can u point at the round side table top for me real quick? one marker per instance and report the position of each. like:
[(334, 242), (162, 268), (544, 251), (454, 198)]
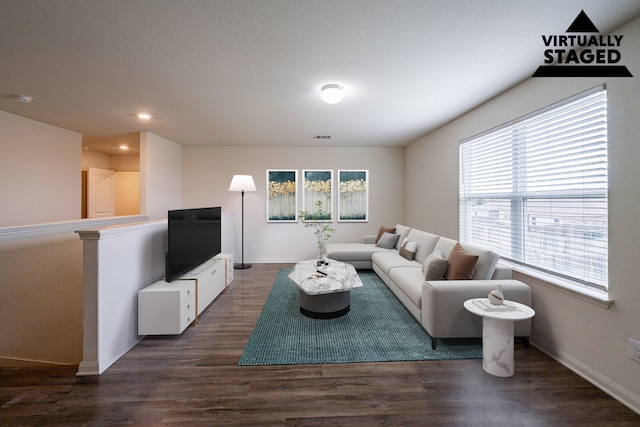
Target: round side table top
[(510, 310)]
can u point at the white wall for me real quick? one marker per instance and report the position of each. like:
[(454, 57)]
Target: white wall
[(41, 290), (160, 175), (127, 193), (39, 171), (118, 262), (127, 162), (94, 159), (590, 339), (41, 264), (207, 173)]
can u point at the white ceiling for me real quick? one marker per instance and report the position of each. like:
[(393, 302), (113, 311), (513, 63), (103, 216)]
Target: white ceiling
[(242, 72)]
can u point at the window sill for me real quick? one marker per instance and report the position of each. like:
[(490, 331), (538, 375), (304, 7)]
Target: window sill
[(593, 296)]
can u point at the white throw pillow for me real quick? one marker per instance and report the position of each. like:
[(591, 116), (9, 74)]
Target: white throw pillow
[(409, 245), (408, 249)]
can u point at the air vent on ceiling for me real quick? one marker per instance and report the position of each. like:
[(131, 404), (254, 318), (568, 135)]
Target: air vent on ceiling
[(321, 136)]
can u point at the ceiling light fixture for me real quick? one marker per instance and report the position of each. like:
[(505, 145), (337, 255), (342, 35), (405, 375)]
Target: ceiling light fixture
[(23, 98), (123, 147), (144, 116), (332, 93)]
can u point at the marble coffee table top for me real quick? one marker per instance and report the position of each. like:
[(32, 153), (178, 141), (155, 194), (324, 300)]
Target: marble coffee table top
[(339, 277)]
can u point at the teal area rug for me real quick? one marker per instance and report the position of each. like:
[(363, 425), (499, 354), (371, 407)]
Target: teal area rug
[(377, 329)]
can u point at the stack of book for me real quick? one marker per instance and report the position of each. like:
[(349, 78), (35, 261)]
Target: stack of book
[(487, 306)]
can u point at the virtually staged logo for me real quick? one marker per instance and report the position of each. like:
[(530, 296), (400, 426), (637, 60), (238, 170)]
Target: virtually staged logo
[(583, 54)]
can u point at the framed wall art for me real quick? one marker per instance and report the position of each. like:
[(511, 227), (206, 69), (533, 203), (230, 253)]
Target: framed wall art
[(353, 197), (317, 195), (282, 195)]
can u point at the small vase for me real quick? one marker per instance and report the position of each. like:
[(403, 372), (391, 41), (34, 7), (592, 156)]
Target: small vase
[(322, 257), (495, 296)]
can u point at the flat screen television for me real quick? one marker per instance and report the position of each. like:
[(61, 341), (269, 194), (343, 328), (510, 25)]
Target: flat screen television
[(194, 236)]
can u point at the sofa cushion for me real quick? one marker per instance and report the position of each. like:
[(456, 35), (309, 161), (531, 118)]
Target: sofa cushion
[(426, 243), (409, 281), (387, 260), (402, 230), (445, 245), (487, 262), (388, 240), (461, 264), (408, 249), (352, 251), (383, 230), (435, 266)]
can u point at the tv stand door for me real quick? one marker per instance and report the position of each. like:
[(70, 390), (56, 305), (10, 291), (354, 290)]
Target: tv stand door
[(211, 278)]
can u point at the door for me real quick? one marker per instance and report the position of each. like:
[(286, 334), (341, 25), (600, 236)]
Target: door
[(101, 193)]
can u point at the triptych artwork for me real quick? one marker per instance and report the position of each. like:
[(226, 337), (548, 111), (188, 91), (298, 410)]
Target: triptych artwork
[(346, 199)]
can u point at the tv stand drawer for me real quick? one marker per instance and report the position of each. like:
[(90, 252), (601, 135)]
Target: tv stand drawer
[(166, 308)]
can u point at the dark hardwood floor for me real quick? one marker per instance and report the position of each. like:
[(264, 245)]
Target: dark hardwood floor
[(193, 379)]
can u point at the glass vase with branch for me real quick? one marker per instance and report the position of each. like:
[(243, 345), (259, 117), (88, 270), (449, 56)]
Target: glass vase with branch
[(322, 229)]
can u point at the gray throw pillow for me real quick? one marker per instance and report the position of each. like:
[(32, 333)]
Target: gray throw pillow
[(435, 266), (387, 240)]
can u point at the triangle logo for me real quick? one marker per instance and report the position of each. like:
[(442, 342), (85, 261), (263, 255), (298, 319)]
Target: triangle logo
[(582, 55), (582, 24)]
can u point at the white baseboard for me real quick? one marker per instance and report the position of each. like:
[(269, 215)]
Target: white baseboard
[(621, 394), (89, 368)]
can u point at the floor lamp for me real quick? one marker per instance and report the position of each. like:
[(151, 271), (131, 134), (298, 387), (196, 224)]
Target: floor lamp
[(242, 183)]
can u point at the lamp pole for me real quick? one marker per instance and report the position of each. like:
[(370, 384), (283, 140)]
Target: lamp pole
[(242, 183), (242, 265)]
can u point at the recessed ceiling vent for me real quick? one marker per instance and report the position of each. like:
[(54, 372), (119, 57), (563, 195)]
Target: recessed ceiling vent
[(321, 136)]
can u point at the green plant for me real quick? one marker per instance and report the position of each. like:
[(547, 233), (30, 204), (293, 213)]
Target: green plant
[(322, 230)]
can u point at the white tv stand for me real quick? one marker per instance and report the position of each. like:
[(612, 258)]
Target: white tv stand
[(169, 308)]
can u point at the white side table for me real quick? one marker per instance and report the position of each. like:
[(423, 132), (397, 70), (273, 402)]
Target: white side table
[(497, 335)]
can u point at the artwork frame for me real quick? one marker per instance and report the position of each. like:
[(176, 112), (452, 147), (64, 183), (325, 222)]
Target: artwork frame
[(353, 195), (282, 195), (317, 185)]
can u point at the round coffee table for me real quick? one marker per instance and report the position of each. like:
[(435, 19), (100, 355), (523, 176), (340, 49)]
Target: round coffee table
[(325, 294), (497, 333)]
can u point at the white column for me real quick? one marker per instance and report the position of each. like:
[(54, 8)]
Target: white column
[(497, 346)]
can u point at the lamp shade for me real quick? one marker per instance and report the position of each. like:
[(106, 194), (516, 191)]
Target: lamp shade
[(242, 183), (331, 93)]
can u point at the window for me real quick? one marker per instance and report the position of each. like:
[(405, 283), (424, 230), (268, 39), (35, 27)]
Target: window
[(535, 190)]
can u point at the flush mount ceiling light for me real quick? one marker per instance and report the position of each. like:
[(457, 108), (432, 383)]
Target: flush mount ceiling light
[(332, 93), (144, 116), (23, 98)]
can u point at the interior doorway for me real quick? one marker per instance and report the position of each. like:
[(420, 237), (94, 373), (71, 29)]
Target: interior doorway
[(109, 193)]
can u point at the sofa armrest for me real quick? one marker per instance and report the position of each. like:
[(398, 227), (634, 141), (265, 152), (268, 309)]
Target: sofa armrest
[(501, 272), (443, 313), (369, 239)]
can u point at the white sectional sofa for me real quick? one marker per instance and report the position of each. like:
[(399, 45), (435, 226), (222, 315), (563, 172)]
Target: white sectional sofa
[(436, 304)]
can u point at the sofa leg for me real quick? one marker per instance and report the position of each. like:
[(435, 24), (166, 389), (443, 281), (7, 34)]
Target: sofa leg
[(433, 343), (526, 342)]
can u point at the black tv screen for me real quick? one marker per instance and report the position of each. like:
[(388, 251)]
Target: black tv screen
[(194, 236)]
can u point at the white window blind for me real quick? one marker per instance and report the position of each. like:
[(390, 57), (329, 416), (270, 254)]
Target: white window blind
[(535, 190)]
